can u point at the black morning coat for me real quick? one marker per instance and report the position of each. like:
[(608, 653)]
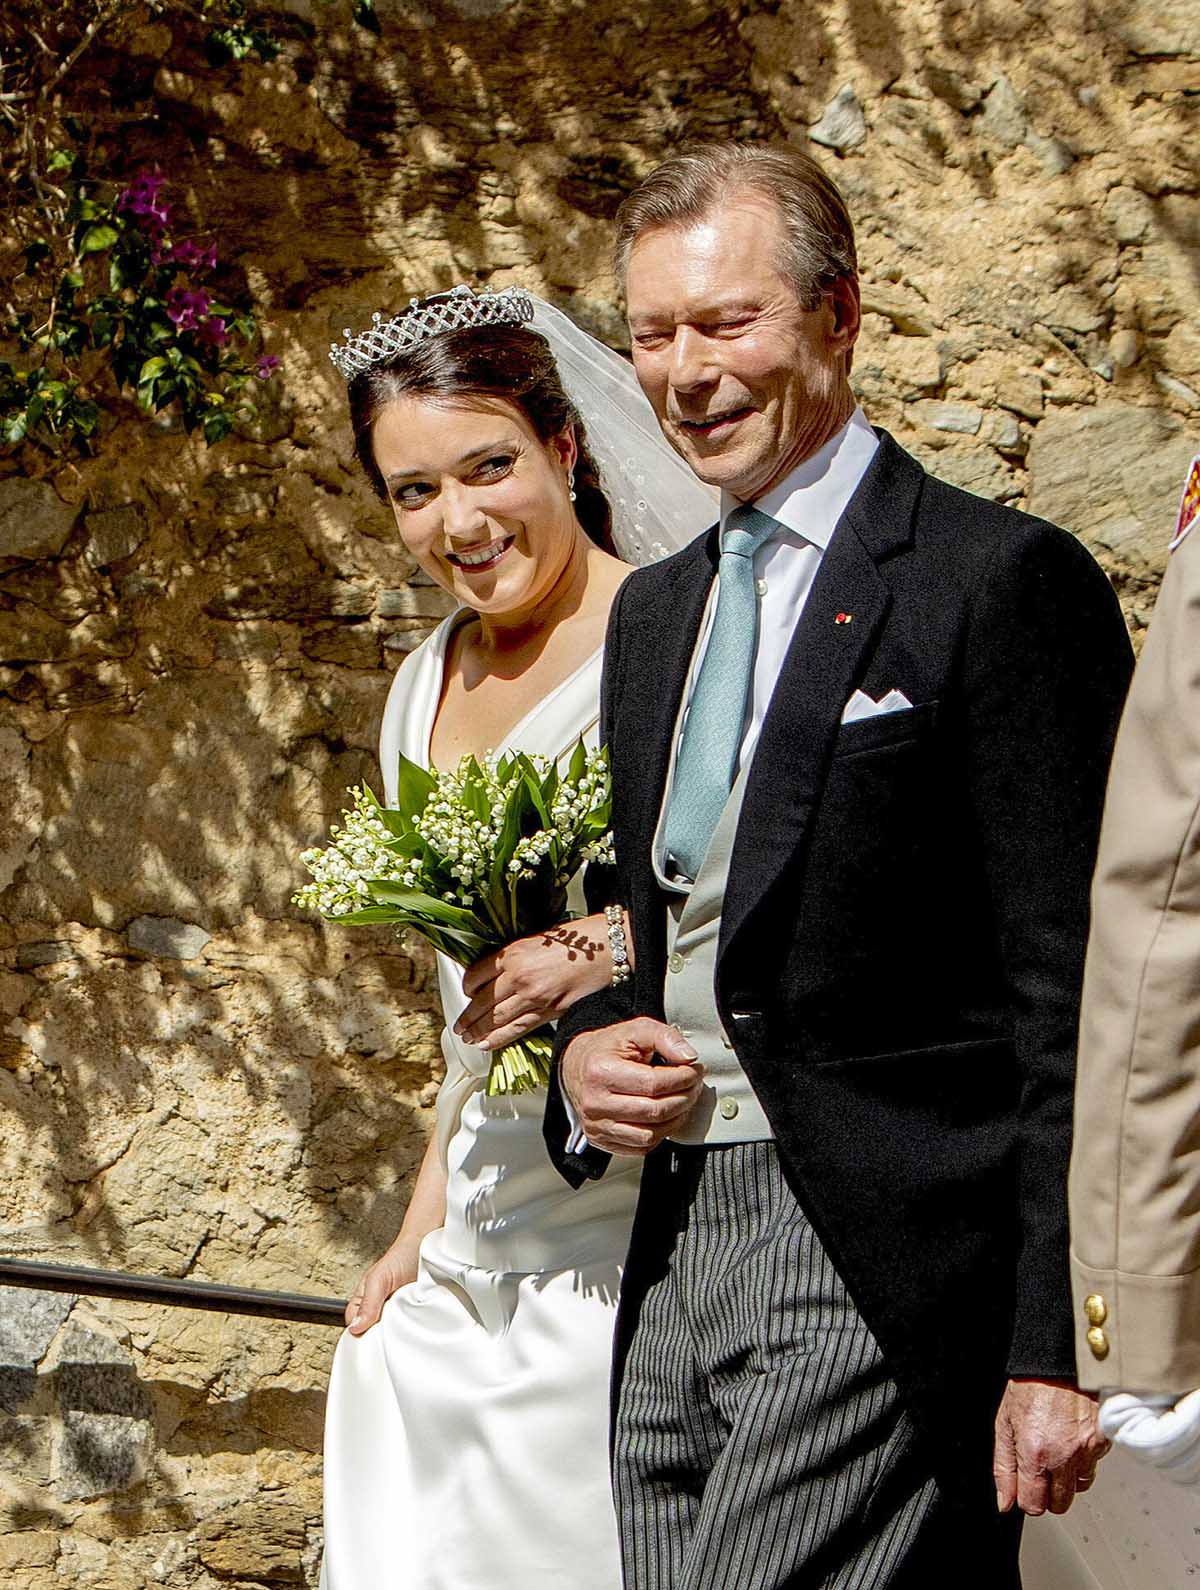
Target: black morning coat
[(903, 934)]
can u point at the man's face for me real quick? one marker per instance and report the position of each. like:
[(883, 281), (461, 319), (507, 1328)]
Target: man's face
[(745, 381)]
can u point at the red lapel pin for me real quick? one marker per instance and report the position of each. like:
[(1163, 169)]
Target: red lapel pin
[(843, 618)]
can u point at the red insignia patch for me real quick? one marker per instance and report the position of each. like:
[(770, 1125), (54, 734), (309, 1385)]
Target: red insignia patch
[(1189, 507)]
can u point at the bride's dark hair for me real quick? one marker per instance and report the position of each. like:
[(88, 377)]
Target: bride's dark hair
[(506, 362)]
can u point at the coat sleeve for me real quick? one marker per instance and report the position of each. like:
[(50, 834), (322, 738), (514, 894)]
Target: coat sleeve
[(603, 886), (1135, 1171), (1046, 667)]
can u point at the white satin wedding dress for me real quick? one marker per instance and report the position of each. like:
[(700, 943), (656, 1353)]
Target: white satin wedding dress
[(466, 1434)]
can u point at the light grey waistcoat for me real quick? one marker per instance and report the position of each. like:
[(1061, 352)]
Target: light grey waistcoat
[(728, 1110)]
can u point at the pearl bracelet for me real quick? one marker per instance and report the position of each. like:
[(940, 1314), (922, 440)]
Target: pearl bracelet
[(615, 917)]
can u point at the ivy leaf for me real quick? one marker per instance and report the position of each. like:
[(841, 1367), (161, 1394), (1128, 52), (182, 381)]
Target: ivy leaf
[(122, 271), (364, 14), (150, 369), (14, 428), (216, 426), (97, 237), (85, 416)]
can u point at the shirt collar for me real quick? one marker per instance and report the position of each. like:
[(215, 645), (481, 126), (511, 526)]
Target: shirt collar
[(812, 498)]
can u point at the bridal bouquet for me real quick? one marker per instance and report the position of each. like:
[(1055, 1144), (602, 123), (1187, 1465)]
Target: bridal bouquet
[(470, 860)]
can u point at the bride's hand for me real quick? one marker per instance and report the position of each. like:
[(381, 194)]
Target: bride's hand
[(395, 1269), (533, 980)]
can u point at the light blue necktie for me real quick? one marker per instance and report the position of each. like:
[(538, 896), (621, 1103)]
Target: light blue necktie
[(712, 734)]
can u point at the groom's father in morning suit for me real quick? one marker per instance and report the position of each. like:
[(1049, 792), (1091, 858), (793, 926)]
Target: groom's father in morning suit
[(859, 735)]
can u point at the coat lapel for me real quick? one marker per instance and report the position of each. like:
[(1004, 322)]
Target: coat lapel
[(658, 655), (828, 655)]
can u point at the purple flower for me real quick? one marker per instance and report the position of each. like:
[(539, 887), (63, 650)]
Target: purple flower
[(266, 366), (187, 306), (213, 330), (141, 199), (190, 253)]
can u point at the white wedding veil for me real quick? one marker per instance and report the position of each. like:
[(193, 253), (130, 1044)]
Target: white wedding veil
[(658, 505)]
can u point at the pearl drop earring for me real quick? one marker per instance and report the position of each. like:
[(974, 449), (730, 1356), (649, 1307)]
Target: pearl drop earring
[(571, 484)]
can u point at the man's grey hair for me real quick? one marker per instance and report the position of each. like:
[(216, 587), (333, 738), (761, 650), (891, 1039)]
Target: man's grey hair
[(818, 232)]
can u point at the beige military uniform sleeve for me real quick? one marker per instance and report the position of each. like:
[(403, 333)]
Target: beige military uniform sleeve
[(1135, 1172)]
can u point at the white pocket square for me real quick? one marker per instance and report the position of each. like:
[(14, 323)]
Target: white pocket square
[(861, 706)]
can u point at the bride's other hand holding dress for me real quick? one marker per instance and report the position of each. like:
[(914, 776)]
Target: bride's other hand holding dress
[(512, 992)]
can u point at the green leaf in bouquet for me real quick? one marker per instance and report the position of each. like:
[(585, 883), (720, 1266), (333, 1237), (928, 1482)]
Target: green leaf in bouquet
[(406, 843), (421, 903), (414, 786), (365, 917), (578, 763), (550, 785), (474, 790), (533, 788)]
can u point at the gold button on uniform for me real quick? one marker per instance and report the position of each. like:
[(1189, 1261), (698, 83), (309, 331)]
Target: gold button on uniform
[(675, 962), (1098, 1342), (729, 1108), (1096, 1309)]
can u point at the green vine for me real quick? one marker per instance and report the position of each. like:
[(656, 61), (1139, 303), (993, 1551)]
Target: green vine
[(138, 294), (109, 292)]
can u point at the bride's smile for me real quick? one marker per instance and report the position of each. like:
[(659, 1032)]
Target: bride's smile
[(482, 557)]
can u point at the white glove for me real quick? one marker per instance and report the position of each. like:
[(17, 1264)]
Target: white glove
[(1158, 1431)]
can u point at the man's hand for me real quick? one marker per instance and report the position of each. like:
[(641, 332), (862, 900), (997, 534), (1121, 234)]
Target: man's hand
[(1048, 1443), (1159, 1431), (631, 1084)]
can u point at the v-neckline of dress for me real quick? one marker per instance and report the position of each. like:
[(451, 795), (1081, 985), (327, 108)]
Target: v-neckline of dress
[(510, 738)]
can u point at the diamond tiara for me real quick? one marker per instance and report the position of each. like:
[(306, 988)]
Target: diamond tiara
[(456, 310)]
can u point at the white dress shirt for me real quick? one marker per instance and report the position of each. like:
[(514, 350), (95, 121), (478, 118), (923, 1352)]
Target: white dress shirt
[(807, 505)]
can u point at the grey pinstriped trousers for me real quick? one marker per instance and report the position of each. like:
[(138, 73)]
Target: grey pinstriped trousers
[(759, 1441)]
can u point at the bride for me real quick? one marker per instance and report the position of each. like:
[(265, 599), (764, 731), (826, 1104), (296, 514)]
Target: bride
[(467, 1424)]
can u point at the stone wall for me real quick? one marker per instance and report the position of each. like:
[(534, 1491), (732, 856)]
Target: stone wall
[(195, 1080)]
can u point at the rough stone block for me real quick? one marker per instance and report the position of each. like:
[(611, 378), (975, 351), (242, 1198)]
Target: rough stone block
[(106, 1414), (34, 520), (261, 1540), (29, 1548), (29, 1322), (1168, 27), (48, 953), (427, 601), (978, 470), (1112, 474), (99, 1454), (167, 936), (842, 124), (348, 645), (907, 313), (962, 418), (113, 535)]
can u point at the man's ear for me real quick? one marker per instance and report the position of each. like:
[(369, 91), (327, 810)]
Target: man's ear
[(847, 309), (846, 306)]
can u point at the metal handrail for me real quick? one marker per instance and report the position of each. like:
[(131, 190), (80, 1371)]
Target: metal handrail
[(173, 1293)]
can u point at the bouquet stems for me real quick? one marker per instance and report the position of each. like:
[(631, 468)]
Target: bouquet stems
[(522, 1066)]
